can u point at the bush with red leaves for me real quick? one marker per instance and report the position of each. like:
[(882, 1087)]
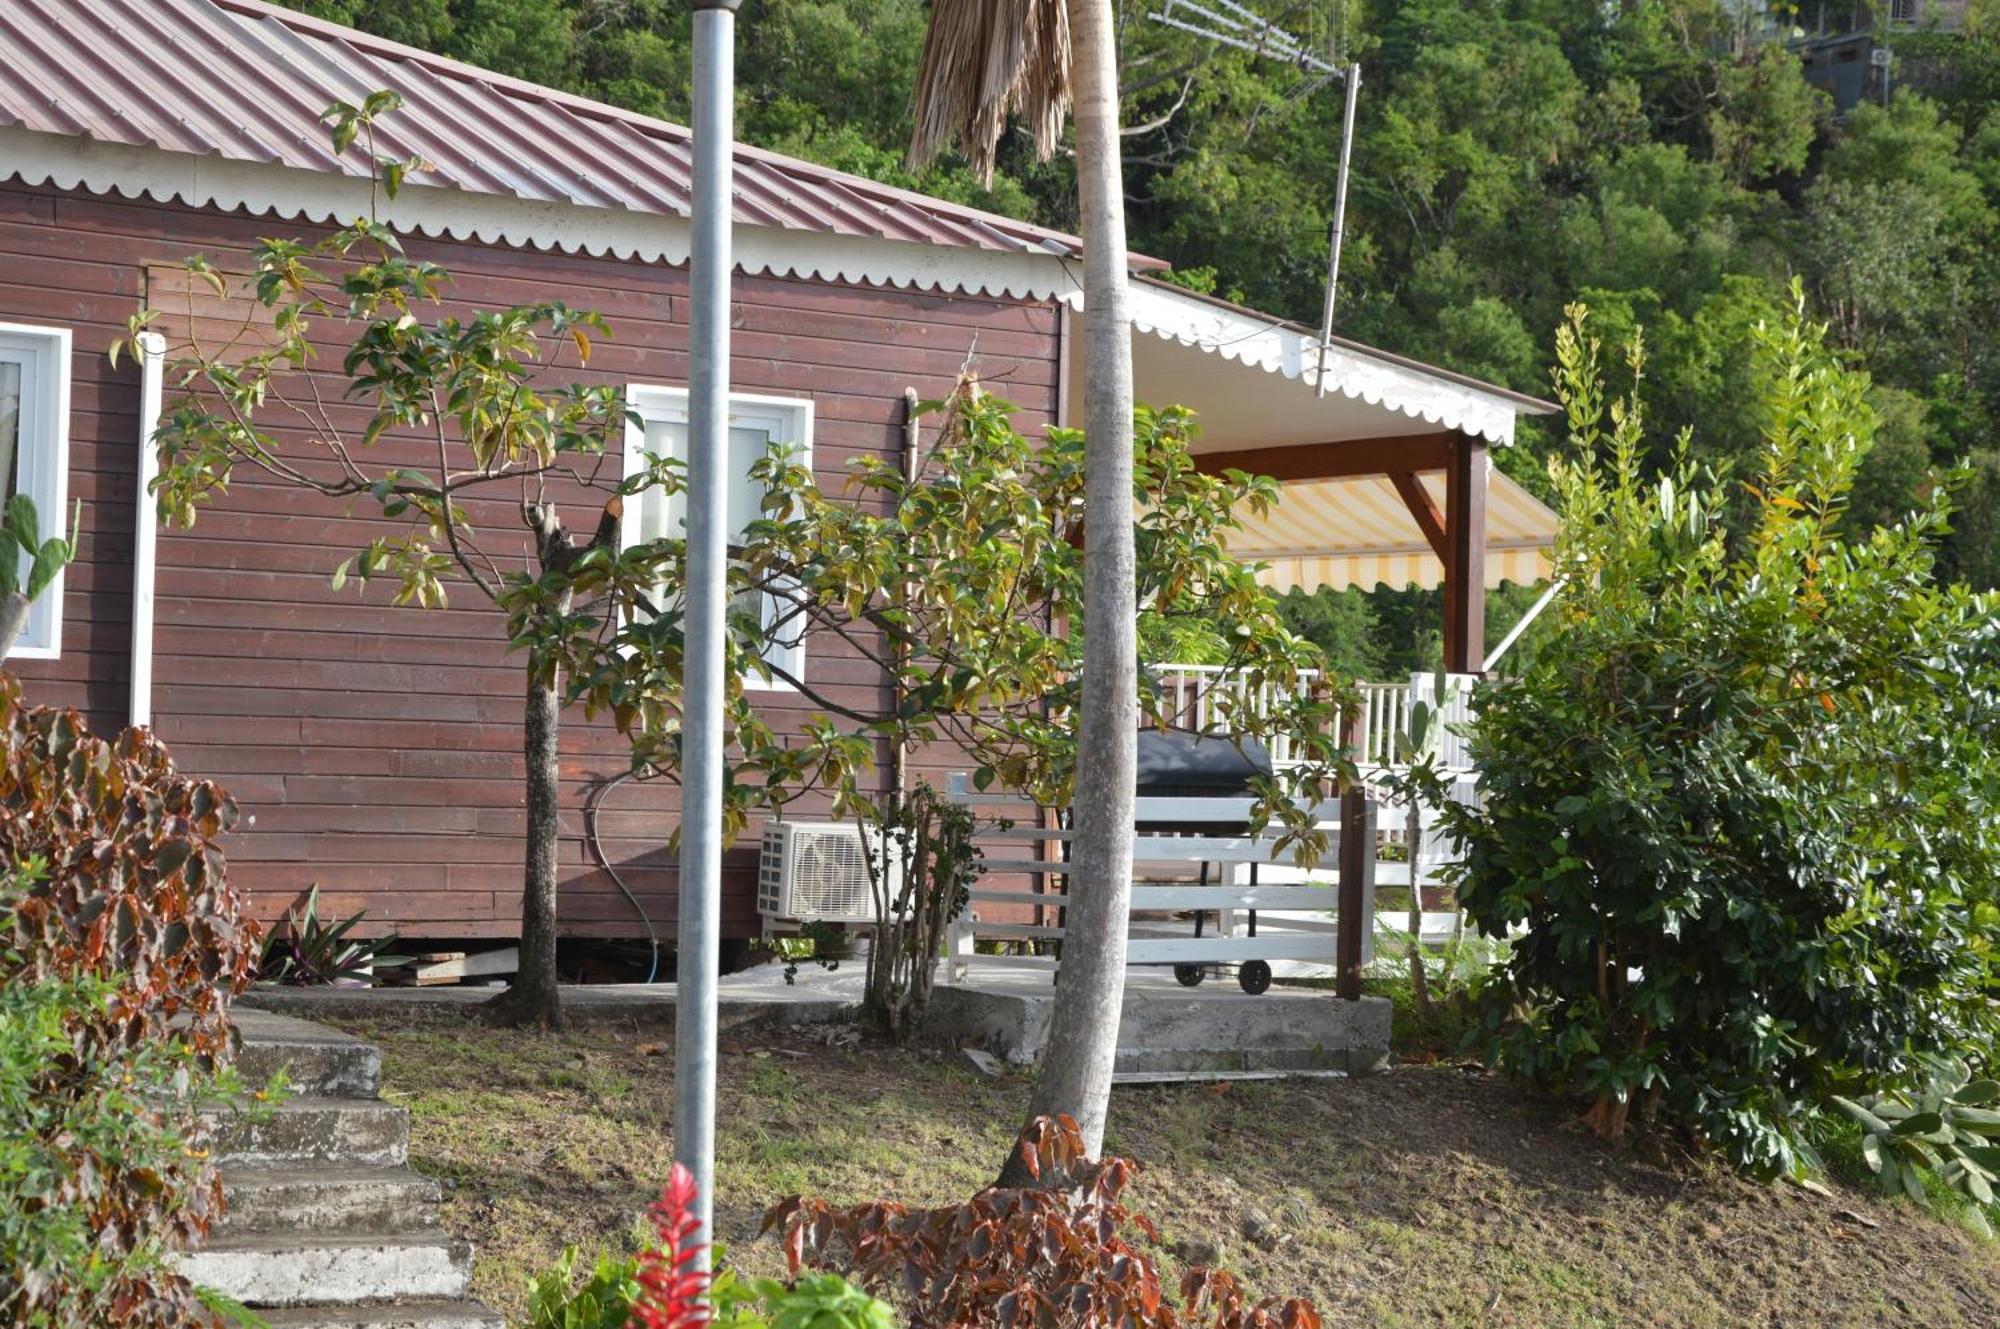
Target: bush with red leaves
[(128, 906), (1048, 1255)]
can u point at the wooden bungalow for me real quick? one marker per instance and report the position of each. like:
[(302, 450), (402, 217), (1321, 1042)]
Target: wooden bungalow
[(374, 750)]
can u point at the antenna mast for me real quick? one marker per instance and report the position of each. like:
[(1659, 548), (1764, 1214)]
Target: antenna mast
[(1339, 230), (1231, 24)]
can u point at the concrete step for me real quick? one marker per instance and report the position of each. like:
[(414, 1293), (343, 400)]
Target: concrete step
[(1137, 1065), (386, 1315), (328, 1198), (1169, 1032), (319, 1062), (276, 1270), (1219, 1028), (306, 1130)]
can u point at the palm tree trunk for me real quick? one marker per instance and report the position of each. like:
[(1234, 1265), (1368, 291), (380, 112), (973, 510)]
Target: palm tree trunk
[(1076, 1073)]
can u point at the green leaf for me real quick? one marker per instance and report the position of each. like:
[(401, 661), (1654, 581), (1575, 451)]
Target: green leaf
[(1871, 1151), (1869, 1121), (1978, 1093)]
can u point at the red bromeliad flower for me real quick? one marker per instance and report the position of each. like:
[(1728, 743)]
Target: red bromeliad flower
[(673, 1284)]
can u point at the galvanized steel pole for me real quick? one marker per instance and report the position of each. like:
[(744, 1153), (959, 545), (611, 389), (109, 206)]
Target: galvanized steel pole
[(700, 943)]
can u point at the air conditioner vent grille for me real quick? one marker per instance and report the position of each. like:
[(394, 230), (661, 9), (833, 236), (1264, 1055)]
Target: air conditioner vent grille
[(814, 871)]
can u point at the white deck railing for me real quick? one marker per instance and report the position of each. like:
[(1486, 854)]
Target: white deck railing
[(1201, 698)]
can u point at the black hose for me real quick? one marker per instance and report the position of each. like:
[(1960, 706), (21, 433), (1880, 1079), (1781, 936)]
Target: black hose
[(596, 847)]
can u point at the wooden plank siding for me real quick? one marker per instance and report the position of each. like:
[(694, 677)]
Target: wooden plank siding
[(375, 750)]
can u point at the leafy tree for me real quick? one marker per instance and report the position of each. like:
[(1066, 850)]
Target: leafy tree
[(1726, 806), (1765, 115), (955, 586), (1343, 624), (455, 414)]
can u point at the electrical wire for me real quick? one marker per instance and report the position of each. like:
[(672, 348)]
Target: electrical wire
[(596, 847)]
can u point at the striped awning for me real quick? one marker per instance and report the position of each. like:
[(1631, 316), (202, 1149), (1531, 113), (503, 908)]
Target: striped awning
[(1357, 532)]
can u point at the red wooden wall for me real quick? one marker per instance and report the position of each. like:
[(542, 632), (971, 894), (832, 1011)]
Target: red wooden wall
[(373, 749)]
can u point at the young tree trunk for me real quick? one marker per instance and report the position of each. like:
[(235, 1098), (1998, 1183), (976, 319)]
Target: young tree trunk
[(535, 997), (1075, 1078)]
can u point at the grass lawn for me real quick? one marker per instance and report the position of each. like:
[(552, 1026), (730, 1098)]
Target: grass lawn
[(1431, 1195)]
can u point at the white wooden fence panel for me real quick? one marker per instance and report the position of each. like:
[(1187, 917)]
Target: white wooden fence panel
[(1302, 916)]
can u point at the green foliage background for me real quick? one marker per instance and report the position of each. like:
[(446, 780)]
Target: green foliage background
[(1652, 159)]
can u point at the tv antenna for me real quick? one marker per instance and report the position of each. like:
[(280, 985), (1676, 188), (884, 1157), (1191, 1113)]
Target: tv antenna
[(1231, 24)]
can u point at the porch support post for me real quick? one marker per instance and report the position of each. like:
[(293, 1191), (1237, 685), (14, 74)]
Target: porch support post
[(1465, 555), (1356, 898)]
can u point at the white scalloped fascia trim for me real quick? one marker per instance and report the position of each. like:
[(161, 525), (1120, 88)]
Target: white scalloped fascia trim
[(1279, 348), (314, 196), (69, 162)]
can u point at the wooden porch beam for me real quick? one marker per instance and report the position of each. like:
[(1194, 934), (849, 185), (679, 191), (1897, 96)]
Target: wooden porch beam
[(1337, 460), (1418, 500)]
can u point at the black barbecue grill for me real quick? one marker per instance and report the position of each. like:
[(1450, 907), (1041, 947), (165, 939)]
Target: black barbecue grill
[(1183, 765)]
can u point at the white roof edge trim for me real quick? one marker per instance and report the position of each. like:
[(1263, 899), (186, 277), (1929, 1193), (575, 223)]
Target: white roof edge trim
[(1279, 349), (67, 162)]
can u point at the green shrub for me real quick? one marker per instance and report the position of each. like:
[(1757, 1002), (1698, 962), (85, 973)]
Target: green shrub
[(1944, 1131), (603, 1299), (95, 1132), (121, 945), (1740, 805), (306, 951), (667, 1287)]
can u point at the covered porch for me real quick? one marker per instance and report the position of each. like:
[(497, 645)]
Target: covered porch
[(1385, 464)]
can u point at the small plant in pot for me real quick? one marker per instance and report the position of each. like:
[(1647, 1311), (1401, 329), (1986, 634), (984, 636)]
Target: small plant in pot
[(307, 951)]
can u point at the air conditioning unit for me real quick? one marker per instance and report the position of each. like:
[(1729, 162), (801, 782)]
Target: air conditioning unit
[(814, 872)]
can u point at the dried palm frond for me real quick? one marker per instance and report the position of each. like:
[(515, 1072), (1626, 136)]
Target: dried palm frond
[(985, 61)]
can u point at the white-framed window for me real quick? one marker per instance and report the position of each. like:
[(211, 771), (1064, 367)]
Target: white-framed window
[(34, 457), (755, 423)]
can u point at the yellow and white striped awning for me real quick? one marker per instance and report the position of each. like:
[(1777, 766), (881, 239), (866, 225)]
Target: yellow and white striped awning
[(1357, 532)]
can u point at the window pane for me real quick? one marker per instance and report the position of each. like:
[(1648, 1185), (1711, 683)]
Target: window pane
[(659, 517), (10, 427), (746, 445), (746, 499)]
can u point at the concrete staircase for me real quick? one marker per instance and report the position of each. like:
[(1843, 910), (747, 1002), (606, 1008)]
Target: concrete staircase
[(327, 1227)]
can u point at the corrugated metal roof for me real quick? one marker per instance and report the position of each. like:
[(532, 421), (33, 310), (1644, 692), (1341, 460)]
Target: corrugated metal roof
[(247, 81)]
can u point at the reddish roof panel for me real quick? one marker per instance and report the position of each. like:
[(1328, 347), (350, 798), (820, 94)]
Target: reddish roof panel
[(247, 81)]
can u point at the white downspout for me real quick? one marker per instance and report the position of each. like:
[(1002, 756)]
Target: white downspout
[(146, 527)]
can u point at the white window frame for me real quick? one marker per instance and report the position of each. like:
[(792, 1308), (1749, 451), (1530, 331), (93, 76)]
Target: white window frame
[(788, 421), (42, 463)]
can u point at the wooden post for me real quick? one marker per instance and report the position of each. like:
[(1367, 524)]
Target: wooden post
[(1357, 896), (1465, 555)]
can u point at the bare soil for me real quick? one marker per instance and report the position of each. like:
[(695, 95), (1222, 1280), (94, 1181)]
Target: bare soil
[(1430, 1195)]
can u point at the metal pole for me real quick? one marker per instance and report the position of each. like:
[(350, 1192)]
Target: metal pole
[(1339, 226), (1521, 624), (707, 508)]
